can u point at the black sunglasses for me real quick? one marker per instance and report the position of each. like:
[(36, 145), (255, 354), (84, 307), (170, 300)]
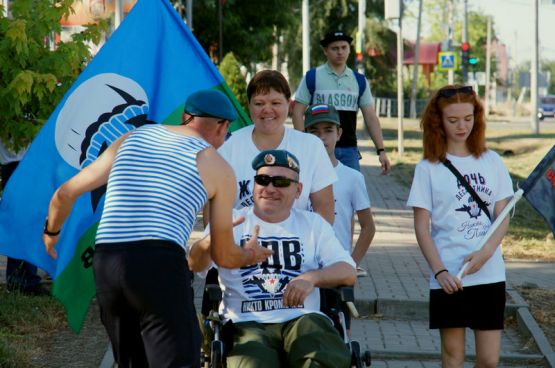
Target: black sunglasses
[(277, 181), (450, 92)]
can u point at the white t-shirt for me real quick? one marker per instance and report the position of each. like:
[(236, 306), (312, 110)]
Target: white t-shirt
[(458, 224), (350, 195), (316, 169), (302, 242)]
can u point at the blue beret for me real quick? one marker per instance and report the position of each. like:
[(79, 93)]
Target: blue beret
[(210, 103), (281, 158)]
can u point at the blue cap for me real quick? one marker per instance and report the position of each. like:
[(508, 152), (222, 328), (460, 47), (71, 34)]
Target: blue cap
[(210, 103)]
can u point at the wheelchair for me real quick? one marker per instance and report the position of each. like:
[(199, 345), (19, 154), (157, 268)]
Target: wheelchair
[(331, 301)]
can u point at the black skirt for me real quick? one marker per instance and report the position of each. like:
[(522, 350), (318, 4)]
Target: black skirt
[(479, 307)]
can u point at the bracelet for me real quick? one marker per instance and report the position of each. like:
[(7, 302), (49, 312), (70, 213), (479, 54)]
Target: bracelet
[(380, 150), (250, 250), (47, 232), (438, 272)]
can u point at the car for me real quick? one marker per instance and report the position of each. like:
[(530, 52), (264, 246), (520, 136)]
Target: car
[(547, 107)]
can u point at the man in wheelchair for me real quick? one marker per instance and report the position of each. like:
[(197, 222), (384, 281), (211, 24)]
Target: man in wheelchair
[(274, 306)]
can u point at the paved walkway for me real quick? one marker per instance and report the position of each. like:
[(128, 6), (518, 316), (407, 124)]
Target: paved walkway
[(394, 295), (392, 300)]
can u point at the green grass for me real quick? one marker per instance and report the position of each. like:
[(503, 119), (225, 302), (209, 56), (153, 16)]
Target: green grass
[(528, 236), (27, 324)]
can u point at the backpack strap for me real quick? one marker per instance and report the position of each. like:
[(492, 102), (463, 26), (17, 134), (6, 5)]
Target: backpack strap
[(310, 79), (468, 187), (361, 80)]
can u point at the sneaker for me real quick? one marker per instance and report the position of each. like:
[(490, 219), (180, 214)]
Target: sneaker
[(361, 272)]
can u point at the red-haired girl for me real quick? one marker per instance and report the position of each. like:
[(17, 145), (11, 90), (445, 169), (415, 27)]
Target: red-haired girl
[(450, 222)]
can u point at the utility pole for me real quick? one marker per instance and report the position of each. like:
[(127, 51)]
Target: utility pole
[(450, 72), (5, 4), (190, 14), (416, 63), (534, 123), (306, 36), (400, 100), (465, 40), (221, 32), (394, 10), (118, 13), (488, 67), (361, 39)]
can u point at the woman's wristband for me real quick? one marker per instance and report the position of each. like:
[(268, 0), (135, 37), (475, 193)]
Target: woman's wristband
[(438, 272), (380, 150)]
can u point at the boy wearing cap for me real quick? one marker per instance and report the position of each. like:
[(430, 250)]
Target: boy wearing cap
[(349, 191), (158, 179), (275, 305), (334, 83)]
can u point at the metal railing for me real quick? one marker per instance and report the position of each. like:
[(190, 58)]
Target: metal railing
[(388, 107)]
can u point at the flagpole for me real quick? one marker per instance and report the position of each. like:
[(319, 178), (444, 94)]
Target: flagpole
[(517, 196)]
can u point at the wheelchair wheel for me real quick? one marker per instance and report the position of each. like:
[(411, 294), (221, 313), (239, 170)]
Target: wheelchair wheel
[(367, 358), (217, 355), (354, 348)]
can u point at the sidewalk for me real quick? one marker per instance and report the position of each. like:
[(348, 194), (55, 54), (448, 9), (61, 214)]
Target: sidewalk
[(392, 299), (394, 296)]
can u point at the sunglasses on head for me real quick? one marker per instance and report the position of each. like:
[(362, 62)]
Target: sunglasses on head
[(450, 92), (277, 181)]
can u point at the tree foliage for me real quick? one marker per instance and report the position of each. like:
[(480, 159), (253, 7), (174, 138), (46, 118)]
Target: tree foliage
[(231, 72), (549, 66), (477, 30), (249, 27), (33, 75), (330, 15)]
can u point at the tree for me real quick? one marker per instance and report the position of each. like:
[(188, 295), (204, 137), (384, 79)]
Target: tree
[(477, 29), (549, 66), (330, 15), (249, 28), (33, 75), (232, 74)]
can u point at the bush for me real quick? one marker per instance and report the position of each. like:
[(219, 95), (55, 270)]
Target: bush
[(231, 72)]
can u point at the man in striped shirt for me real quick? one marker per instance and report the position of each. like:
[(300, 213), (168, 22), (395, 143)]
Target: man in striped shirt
[(158, 177)]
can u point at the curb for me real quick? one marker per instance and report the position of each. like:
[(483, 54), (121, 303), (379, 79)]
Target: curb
[(529, 327), (429, 355), (418, 310), (108, 359)]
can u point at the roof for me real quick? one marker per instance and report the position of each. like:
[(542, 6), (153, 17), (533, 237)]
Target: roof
[(428, 54)]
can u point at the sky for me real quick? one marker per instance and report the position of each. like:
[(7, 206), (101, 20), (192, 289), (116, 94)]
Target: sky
[(512, 23)]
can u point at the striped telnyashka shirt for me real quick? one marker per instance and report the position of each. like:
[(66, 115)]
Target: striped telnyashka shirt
[(154, 189)]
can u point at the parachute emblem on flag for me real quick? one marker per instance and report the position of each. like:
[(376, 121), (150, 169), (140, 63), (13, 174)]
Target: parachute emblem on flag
[(82, 137)]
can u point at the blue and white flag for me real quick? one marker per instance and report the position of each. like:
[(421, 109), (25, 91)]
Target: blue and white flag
[(142, 75)]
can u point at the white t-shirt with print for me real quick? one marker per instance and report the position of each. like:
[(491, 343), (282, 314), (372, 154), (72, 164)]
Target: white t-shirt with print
[(302, 242), (315, 166), (458, 224), (350, 195)]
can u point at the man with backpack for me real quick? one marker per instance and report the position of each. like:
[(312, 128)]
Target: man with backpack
[(334, 83)]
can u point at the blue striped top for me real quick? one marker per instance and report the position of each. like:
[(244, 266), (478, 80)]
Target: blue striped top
[(154, 189)]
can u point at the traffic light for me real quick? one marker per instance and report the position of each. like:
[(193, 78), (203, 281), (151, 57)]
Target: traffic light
[(473, 60), (465, 48)]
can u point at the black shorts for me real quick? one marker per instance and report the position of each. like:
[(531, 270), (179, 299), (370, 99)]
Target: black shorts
[(479, 307), (145, 296)]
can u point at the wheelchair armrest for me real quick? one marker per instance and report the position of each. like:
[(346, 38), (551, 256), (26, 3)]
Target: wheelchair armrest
[(214, 293), (347, 293)]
